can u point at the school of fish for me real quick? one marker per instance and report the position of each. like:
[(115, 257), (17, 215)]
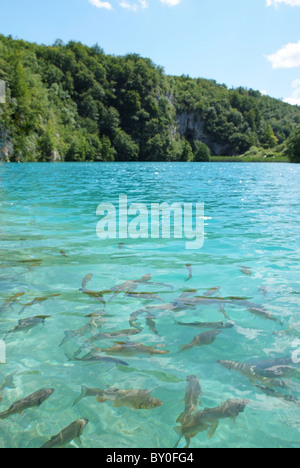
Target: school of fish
[(100, 344)]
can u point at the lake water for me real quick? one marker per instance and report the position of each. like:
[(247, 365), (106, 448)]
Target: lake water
[(48, 244)]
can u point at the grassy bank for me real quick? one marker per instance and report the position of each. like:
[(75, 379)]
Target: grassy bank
[(281, 159), (255, 155)]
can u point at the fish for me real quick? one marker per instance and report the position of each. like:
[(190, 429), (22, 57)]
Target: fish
[(212, 292), (28, 323), (187, 293), (69, 334), (251, 373), (203, 339), (134, 315), (192, 393), (223, 311), (281, 396), (8, 383), (147, 278), (190, 271), (98, 319), (11, 300), (86, 279), (95, 294), (132, 285), (143, 295), (263, 290), (97, 358), (256, 310), (127, 286), (31, 263), (291, 331), (208, 419), (209, 325), (204, 300), (279, 371), (150, 322), (38, 300), (87, 392), (132, 349), (15, 297), (136, 399), (31, 401), (283, 367), (237, 298), (32, 260), (162, 376), (176, 306), (72, 432), (133, 398), (246, 270), (120, 333), (266, 363)]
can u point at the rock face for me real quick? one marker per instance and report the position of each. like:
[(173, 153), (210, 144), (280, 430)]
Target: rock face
[(192, 128), (2, 91), (6, 146), (6, 150), (55, 156)]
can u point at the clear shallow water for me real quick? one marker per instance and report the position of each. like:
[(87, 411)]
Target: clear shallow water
[(252, 218)]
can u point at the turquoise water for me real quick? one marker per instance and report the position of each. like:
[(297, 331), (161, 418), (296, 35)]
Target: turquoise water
[(48, 213)]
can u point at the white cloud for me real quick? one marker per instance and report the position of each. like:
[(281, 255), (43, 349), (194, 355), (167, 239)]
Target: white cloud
[(295, 97), (287, 2), (100, 4), (134, 6), (286, 57), (170, 2)]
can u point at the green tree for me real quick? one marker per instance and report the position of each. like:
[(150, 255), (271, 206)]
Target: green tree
[(126, 148), (48, 143), (19, 81), (268, 139), (94, 148), (77, 149), (108, 152), (201, 152), (187, 152), (293, 146)]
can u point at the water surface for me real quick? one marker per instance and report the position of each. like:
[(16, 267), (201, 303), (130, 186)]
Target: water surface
[(48, 213)]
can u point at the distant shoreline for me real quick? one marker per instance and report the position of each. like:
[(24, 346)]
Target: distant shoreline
[(214, 159), (243, 159)]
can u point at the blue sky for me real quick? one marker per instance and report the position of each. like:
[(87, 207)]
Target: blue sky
[(251, 43)]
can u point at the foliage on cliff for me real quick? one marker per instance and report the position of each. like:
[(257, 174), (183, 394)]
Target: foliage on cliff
[(293, 146), (72, 102)]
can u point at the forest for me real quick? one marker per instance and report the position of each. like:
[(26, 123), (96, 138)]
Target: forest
[(71, 102)]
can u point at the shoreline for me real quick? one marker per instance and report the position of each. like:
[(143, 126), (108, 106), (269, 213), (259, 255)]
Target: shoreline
[(214, 159), (243, 159)]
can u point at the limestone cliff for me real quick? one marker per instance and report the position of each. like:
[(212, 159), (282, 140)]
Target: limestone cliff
[(192, 127)]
